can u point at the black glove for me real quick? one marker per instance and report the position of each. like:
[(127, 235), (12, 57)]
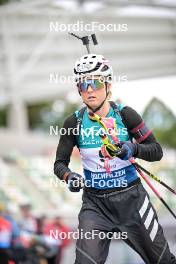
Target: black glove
[(126, 150), (75, 182)]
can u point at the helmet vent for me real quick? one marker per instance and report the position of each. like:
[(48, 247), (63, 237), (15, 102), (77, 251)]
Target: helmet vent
[(94, 56), (105, 68), (97, 66)]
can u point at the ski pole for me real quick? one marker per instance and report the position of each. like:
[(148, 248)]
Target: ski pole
[(152, 187), (154, 177), (106, 139)]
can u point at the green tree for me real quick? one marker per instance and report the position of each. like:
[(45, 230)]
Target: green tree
[(3, 2), (162, 121), (45, 114), (3, 116)]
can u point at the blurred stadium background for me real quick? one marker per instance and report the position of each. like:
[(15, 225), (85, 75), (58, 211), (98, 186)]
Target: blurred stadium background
[(33, 97)]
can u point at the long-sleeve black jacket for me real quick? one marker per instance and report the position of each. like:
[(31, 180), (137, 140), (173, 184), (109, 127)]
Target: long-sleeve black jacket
[(149, 149)]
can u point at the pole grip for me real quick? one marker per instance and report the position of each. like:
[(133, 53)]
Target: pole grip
[(94, 39), (85, 40)]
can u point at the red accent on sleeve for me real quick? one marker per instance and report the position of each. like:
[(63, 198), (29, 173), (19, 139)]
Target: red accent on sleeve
[(134, 130), (144, 136)]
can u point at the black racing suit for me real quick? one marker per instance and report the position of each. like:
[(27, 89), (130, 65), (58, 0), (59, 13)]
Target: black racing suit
[(127, 210)]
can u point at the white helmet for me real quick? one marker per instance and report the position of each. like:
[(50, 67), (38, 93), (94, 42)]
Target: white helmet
[(92, 64)]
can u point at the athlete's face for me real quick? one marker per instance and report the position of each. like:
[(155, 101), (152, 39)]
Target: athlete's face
[(93, 91)]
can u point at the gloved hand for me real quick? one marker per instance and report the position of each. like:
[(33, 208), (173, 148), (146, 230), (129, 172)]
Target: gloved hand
[(75, 182), (127, 150)]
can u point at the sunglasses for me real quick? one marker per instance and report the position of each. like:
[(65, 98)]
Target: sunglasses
[(95, 84)]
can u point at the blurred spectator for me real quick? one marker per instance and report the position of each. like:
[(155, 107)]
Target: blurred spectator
[(9, 236), (28, 222), (40, 224), (56, 226)]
